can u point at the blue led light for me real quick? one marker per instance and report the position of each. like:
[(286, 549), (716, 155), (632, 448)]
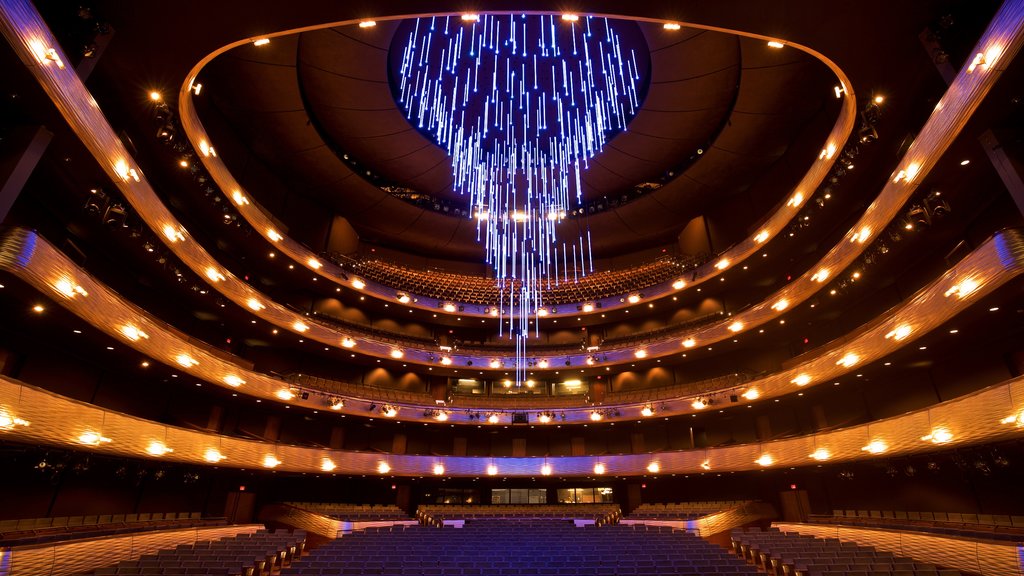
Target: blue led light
[(520, 104)]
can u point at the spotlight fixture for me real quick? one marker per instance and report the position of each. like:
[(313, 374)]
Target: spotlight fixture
[(261, 42), (545, 470), (802, 380), (775, 44), (900, 332), (765, 460), (848, 360), (233, 381), (938, 436), (8, 422), (821, 454), (673, 26), (493, 418), (736, 326), (185, 360), (337, 404), (654, 467), (396, 353), (367, 24), (599, 468), (389, 411), (492, 470), (706, 465), (647, 411), (300, 326), (641, 353), (679, 284), (132, 333), (699, 404), (780, 305), (327, 465), (348, 342), (751, 394), (213, 455), (438, 469), (93, 439), (596, 416), (633, 298), (383, 467), (545, 417), (875, 447), (271, 461), (285, 394), (1015, 419), (689, 343), (158, 449)]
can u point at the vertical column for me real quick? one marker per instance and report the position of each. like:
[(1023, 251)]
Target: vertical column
[(1007, 166)]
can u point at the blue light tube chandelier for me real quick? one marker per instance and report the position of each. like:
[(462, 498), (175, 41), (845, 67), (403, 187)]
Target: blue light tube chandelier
[(520, 103)]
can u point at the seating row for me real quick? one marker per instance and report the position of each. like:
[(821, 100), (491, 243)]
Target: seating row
[(354, 512), (39, 530), (790, 554), (682, 510), (260, 553), (985, 526)]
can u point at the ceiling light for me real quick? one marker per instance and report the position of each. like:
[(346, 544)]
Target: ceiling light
[(848, 360), (802, 380), (900, 332), (213, 455), (640, 353), (132, 333), (861, 236), (470, 17), (751, 394), (68, 288), (233, 381), (261, 42), (155, 96), (938, 436), (270, 461), (821, 454), (965, 162), (285, 394), (492, 470), (570, 17), (653, 467), (8, 422), (157, 449), (689, 343), (599, 468), (775, 44), (173, 234), (185, 360), (545, 470), (367, 24), (647, 410), (93, 439), (963, 289), (1015, 419), (736, 326), (327, 465), (875, 447), (672, 26), (765, 460)]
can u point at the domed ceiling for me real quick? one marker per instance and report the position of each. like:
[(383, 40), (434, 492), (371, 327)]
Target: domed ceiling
[(319, 110)]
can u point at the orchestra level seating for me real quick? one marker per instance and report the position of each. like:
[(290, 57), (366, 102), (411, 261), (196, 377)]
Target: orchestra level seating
[(519, 547), (42, 530)]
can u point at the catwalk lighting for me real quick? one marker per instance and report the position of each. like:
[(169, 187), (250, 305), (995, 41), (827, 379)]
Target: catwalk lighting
[(521, 103)]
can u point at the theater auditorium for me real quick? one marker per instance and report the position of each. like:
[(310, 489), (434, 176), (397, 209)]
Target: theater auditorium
[(503, 288)]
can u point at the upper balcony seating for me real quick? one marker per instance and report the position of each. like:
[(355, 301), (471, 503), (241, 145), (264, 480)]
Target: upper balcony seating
[(519, 547), (682, 510), (41, 530), (354, 512), (791, 554), (984, 526), (468, 289), (258, 554)]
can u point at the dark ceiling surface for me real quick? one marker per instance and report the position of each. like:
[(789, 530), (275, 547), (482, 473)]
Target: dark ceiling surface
[(305, 102)]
